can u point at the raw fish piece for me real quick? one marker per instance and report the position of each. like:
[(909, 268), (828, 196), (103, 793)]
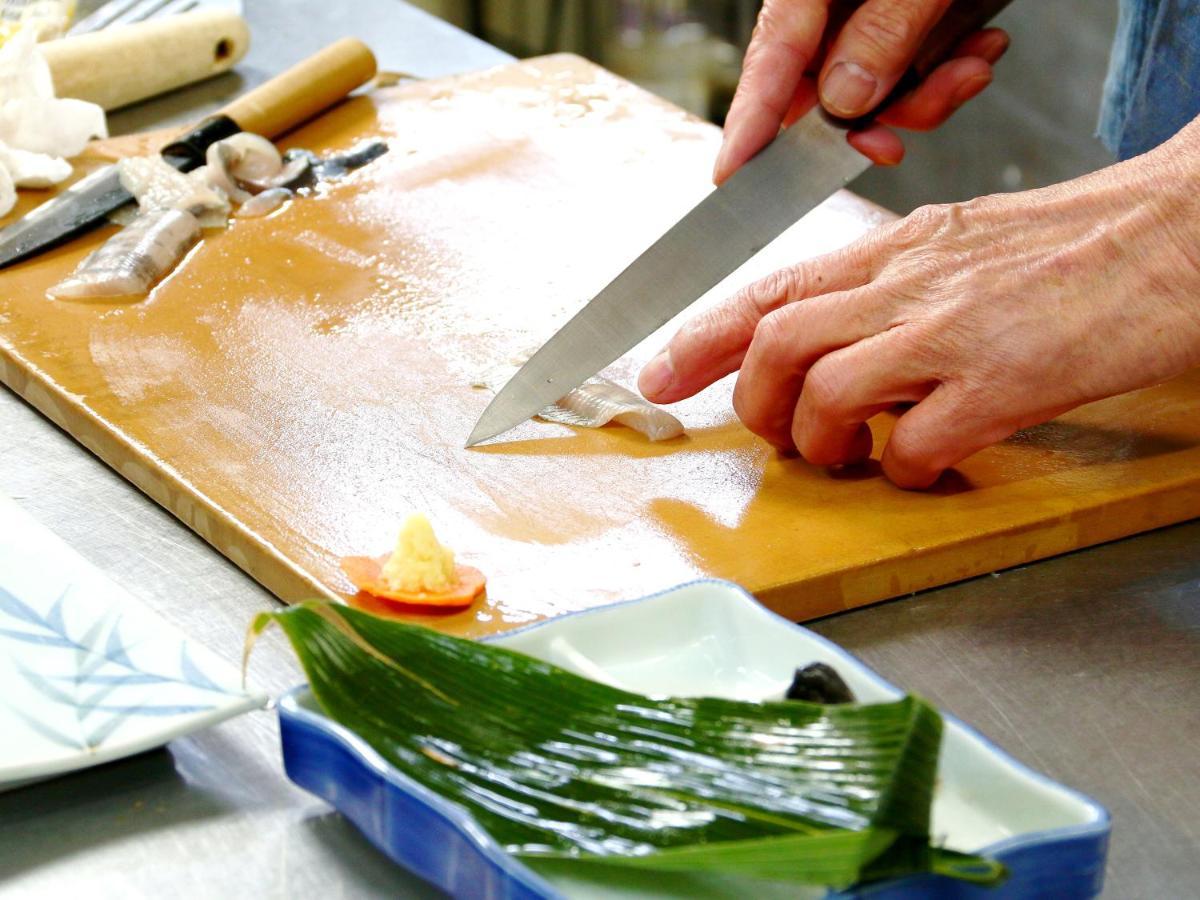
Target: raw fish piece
[(133, 259), (599, 401), (251, 156), (335, 165), (221, 158), (156, 185), (595, 403), (332, 167), (239, 160), (246, 164), (264, 204), (290, 172)]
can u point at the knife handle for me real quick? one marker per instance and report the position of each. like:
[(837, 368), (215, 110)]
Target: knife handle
[(962, 19), (304, 90)]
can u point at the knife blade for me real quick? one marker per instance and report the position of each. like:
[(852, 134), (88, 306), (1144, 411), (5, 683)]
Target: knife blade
[(285, 101), (85, 203), (794, 173), (801, 168)]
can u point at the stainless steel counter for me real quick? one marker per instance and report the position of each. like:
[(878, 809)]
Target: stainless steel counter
[(1086, 667)]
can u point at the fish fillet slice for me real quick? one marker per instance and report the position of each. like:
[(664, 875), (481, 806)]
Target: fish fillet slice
[(595, 403), (133, 259)]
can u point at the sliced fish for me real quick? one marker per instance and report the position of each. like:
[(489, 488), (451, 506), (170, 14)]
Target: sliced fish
[(596, 403), (133, 259)]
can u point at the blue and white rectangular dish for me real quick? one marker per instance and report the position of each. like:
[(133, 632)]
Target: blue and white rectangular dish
[(88, 673), (704, 638)]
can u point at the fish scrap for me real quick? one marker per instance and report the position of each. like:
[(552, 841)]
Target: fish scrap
[(244, 172), (128, 263)]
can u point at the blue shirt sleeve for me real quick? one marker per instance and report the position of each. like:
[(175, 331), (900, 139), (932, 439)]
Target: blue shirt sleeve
[(1153, 84)]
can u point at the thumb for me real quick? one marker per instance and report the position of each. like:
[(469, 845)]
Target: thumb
[(872, 52)]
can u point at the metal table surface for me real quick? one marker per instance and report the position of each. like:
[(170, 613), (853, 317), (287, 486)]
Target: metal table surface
[(1086, 667)]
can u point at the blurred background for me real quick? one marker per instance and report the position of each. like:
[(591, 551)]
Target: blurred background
[(1035, 125)]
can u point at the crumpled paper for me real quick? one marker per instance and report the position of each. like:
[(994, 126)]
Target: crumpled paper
[(37, 131)]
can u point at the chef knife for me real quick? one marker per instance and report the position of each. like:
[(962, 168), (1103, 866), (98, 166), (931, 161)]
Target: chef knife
[(801, 168), (288, 99)]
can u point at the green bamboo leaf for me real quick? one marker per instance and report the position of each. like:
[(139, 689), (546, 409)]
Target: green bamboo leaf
[(555, 766)]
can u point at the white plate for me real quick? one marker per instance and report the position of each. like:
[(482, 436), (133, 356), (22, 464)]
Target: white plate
[(87, 673)]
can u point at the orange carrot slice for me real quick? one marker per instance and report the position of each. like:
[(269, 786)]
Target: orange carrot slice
[(366, 573)]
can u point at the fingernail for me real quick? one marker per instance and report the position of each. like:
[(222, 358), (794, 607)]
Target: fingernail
[(847, 89), (657, 376), (719, 165)]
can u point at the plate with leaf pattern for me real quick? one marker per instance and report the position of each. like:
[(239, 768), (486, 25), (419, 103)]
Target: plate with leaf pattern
[(89, 674)]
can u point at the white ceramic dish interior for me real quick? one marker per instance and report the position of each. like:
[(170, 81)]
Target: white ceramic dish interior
[(711, 638)]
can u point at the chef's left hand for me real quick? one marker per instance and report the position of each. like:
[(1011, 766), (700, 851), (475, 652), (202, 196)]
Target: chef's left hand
[(990, 316)]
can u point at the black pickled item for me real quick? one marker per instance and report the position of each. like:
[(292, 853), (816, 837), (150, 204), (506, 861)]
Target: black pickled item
[(819, 683), (332, 167)]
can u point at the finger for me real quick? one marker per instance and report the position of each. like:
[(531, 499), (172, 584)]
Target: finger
[(940, 95), (950, 85), (879, 144), (786, 344), (784, 43), (933, 103), (712, 345), (939, 432), (873, 51), (990, 44), (846, 388), (803, 101)]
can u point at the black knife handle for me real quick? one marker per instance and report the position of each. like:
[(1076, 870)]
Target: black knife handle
[(191, 147)]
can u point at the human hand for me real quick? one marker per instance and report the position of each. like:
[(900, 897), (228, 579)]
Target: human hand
[(790, 48), (991, 316)]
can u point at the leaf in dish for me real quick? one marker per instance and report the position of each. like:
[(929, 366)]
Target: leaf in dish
[(553, 765)]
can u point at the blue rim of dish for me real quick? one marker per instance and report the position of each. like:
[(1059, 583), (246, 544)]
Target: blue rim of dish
[(462, 821)]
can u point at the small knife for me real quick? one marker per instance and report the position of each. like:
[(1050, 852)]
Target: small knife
[(288, 99), (801, 168)]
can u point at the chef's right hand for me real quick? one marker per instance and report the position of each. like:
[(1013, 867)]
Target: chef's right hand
[(792, 62)]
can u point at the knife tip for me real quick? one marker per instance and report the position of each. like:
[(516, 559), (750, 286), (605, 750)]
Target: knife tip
[(478, 436)]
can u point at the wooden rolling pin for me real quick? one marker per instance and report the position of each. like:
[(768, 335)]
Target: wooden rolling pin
[(124, 64)]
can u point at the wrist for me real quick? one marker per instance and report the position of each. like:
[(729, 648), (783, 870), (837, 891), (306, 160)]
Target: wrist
[(1173, 191)]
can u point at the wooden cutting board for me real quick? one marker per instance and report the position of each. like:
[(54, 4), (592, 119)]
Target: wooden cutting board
[(303, 381)]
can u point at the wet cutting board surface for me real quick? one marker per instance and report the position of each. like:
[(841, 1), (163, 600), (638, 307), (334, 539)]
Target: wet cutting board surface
[(303, 381)]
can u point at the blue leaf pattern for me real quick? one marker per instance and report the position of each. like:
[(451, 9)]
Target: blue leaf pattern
[(48, 640), (89, 686), (18, 610), (55, 616), (115, 650), (51, 734), (192, 672)]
